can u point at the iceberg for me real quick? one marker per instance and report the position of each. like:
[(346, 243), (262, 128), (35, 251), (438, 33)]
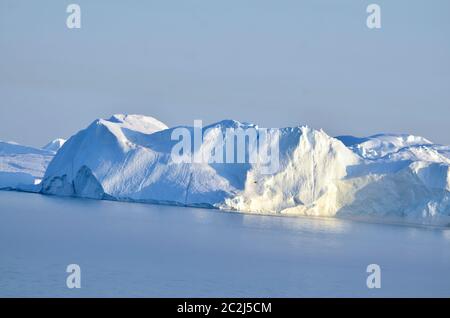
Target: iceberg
[(54, 145), (22, 167), (383, 178), (128, 158)]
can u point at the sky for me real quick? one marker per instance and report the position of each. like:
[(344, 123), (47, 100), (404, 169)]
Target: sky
[(274, 63)]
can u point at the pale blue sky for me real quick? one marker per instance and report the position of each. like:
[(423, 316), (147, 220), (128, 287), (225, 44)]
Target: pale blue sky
[(275, 63)]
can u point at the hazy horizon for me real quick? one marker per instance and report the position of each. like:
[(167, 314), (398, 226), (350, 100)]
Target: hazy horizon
[(276, 64)]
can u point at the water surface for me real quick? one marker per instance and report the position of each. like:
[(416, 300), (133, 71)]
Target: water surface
[(129, 249)]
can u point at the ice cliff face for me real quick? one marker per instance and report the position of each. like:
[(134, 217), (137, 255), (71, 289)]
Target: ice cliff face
[(395, 178), (307, 179), (403, 178)]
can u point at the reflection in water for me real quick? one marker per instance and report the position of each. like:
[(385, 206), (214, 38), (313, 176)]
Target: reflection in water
[(298, 224), (446, 234)]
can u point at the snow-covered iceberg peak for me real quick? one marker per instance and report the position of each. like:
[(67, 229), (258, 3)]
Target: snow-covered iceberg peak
[(98, 151), (381, 145), (140, 123), (397, 148), (54, 145)]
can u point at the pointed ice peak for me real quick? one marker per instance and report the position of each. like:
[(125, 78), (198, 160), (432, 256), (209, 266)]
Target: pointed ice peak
[(54, 145)]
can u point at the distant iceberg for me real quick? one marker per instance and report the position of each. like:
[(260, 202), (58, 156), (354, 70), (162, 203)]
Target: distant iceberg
[(22, 167), (385, 177), (54, 145)]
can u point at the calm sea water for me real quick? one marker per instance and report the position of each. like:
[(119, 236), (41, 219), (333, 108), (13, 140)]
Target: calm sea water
[(128, 249)]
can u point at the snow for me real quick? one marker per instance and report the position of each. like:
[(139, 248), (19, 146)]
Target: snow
[(381, 145), (130, 158), (309, 169), (385, 177), (54, 145), (404, 178), (22, 167)]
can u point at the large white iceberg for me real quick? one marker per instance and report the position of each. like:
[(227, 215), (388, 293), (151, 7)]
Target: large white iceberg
[(393, 178), (129, 158)]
